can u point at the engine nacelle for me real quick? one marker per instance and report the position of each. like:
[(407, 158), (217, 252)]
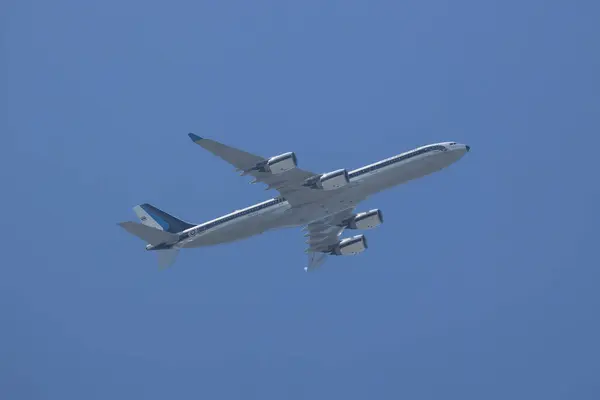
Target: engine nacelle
[(329, 181), (351, 246), (366, 220), (282, 163)]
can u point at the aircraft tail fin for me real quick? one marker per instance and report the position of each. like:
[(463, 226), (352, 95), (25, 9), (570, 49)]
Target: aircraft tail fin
[(158, 219), (149, 234)]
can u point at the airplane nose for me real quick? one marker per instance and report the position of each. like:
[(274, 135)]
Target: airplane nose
[(468, 147)]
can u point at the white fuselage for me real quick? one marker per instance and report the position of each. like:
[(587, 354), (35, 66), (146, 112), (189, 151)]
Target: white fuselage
[(364, 182)]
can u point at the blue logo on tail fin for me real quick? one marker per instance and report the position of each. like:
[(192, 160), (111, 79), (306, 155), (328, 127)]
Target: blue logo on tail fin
[(161, 221), (165, 225)]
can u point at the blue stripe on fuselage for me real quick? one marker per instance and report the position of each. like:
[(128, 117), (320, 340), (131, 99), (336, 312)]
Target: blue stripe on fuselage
[(231, 217), (394, 160)]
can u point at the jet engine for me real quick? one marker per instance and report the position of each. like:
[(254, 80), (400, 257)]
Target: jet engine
[(281, 163), (365, 220), (329, 181), (350, 246)]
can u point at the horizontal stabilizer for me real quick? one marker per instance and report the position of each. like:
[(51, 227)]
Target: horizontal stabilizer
[(166, 258), (150, 235)]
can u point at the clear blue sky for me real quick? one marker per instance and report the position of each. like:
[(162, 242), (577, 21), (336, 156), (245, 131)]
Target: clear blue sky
[(481, 284)]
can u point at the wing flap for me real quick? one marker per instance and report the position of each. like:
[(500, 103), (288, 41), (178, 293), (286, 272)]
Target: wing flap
[(289, 184), (322, 236)]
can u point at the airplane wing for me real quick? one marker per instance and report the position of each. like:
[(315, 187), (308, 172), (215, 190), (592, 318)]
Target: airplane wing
[(322, 236), (289, 183)]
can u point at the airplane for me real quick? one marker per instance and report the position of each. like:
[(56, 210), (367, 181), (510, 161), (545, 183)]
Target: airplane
[(322, 203)]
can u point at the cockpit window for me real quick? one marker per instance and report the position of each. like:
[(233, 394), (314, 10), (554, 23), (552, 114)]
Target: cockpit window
[(452, 144)]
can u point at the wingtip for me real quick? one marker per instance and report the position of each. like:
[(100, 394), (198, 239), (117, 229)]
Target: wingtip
[(195, 138)]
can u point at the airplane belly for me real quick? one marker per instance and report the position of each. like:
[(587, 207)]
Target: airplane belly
[(238, 230), (224, 235), (342, 200), (394, 176)]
